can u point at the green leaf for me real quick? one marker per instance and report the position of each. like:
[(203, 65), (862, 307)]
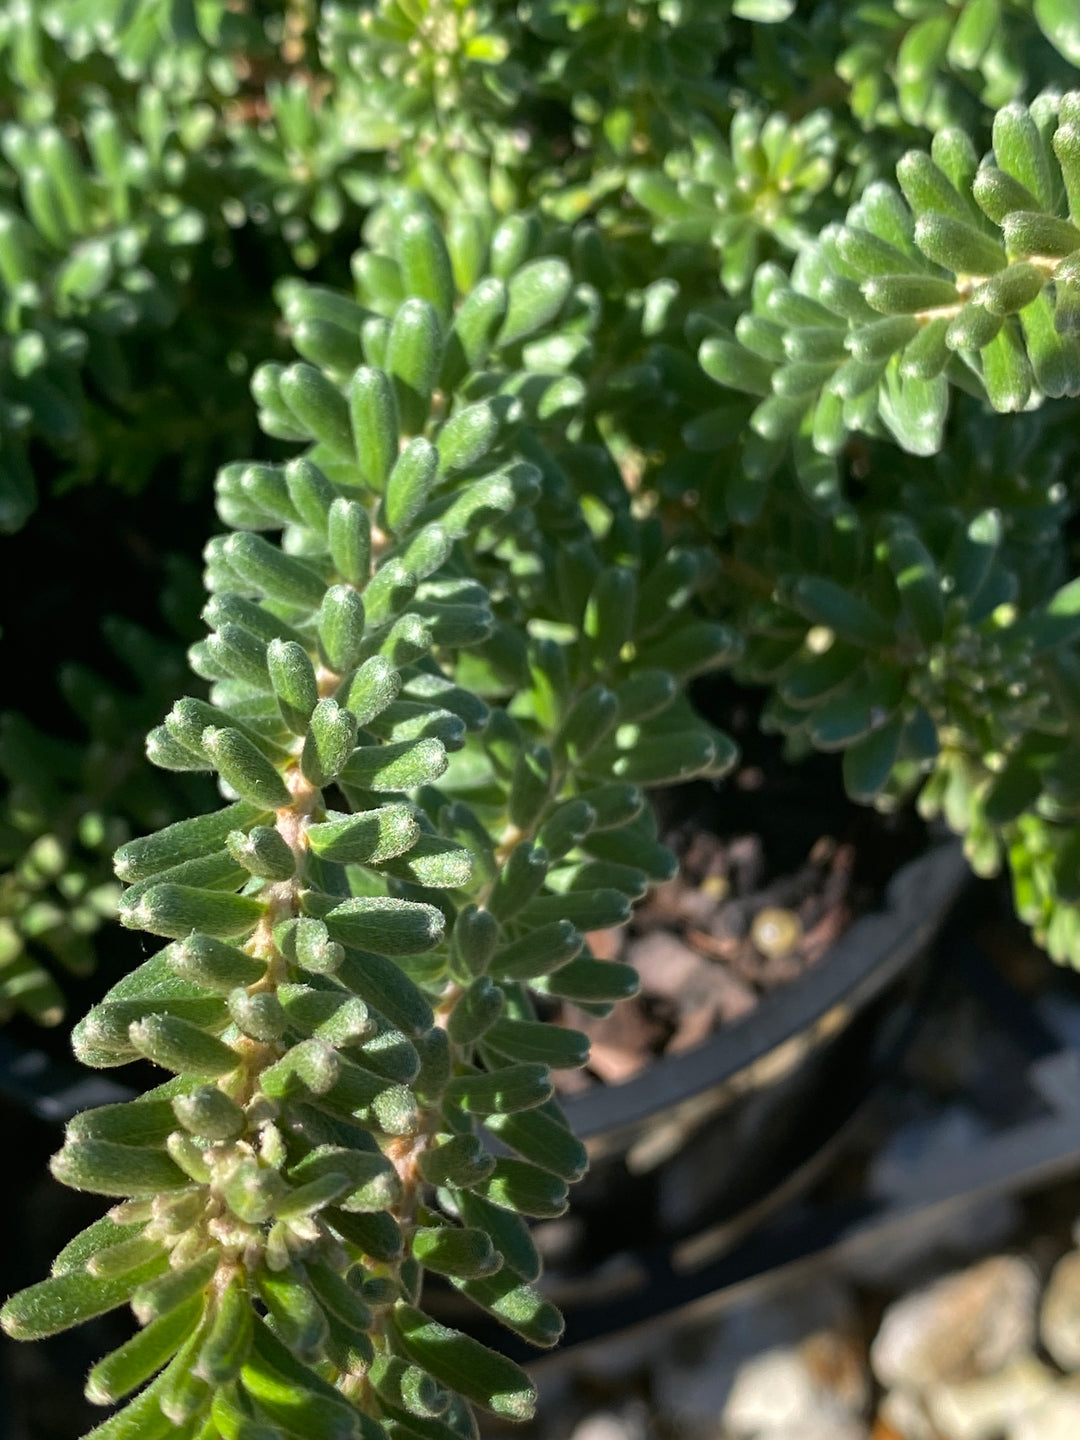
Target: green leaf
[(159, 1296), (342, 628), (535, 295), (242, 766), (373, 412), (329, 742), (371, 689), (142, 1419), (143, 1355), (293, 1396), (318, 407), (459, 1161), (387, 926), (310, 492), (957, 246), (475, 1011), (413, 357), (823, 602), (764, 12), (906, 294), (473, 333), (519, 880), (410, 483), (71, 1299), (292, 677), (406, 1388), (337, 1296), (298, 1317), (403, 766), (369, 837), (517, 1305), (228, 1340), (547, 948), (1012, 289), (917, 579), (1033, 233), (279, 576), (514, 1087), (1055, 358), (529, 1040), (208, 1112), (464, 1365), (425, 262), (467, 437), (263, 852), (538, 1136), (448, 1250), (146, 1121), (176, 910), (182, 1047), (213, 965), (524, 1188), (1060, 24), (387, 988), (1006, 372), (590, 982), (868, 763), (1057, 622), (508, 1232), (185, 840)]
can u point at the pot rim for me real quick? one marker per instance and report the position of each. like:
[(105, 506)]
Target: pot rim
[(871, 952)]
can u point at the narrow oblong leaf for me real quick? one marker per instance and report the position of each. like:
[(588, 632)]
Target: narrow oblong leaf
[(538, 1136), (388, 926), (403, 766), (176, 910), (179, 1046), (158, 1297), (514, 1087), (69, 1299), (517, 1305), (369, 837), (449, 1250), (535, 295), (373, 413), (292, 1395), (245, 768), (143, 1355), (525, 1188), (105, 1168), (184, 840), (463, 1364), (532, 1040)]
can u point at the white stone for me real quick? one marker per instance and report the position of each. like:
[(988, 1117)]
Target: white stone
[(1059, 1317), (983, 1409), (779, 1393), (1057, 1418), (903, 1414), (961, 1327), (818, 1427), (765, 1361), (628, 1424)]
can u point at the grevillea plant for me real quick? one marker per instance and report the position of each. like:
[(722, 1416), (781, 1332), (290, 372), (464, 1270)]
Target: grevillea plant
[(429, 806), (679, 337)]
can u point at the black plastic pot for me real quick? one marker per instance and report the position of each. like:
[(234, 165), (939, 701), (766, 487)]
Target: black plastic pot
[(706, 1138)]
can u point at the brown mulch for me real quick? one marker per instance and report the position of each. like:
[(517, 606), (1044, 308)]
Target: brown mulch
[(710, 944)]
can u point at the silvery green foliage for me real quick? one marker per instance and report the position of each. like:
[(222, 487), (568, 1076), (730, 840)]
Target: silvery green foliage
[(675, 340), (428, 807)]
